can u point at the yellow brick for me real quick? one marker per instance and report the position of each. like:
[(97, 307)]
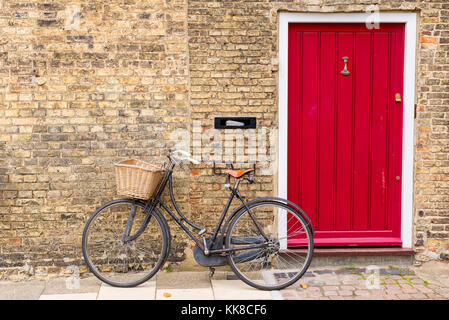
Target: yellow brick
[(11, 97), (25, 121), (5, 137)]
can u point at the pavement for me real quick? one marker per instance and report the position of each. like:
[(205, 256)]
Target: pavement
[(379, 283), (337, 283)]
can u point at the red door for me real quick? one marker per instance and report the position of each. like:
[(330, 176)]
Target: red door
[(345, 131)]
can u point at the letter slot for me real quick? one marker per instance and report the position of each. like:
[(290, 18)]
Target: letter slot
[(235, 122)]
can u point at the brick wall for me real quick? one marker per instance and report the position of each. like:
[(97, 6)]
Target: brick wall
[(75, 98), (79, 91)]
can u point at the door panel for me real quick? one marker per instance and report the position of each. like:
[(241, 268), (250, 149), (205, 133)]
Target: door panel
[(325, 191), (362, 122), (343, 110), (345, 131)]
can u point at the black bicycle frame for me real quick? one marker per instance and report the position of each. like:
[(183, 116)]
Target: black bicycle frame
[(151, 205)]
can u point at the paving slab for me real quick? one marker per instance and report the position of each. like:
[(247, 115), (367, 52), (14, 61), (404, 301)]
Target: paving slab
[(173, 280), (185, 294), (237, 290), (224, 275), (145, 291), (69, 286), (10, 290), (70, 296)]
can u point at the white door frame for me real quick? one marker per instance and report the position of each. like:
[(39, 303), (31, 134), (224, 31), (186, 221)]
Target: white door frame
[(410, 20)]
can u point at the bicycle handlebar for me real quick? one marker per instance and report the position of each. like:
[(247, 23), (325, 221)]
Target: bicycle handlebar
[(186, 156)]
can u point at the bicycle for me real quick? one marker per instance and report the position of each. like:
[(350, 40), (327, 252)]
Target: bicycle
[(126, 241)]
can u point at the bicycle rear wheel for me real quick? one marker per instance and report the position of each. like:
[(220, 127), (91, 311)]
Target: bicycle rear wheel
[(274, 265), (116, 261)]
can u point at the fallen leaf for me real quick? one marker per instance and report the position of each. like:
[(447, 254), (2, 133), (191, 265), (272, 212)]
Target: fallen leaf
[(167, 295), (107, 269), (304, 286)]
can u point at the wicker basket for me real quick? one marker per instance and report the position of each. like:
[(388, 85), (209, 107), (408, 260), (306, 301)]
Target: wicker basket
[(137, 179)]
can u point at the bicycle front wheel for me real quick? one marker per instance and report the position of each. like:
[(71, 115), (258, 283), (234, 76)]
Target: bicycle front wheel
[(115, 260), (271, 228)]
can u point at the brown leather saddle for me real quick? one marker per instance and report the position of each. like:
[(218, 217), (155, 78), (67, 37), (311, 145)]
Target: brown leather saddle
[(238, 173)]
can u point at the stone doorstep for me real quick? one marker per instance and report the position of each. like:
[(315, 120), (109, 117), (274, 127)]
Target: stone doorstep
[(359, 251)]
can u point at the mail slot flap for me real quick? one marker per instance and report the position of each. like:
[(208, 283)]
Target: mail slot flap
[(235, 122)]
